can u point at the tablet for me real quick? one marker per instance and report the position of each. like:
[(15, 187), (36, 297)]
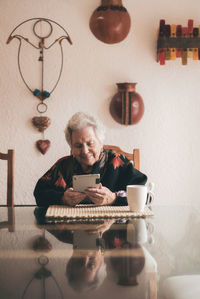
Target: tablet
[(85, 181)]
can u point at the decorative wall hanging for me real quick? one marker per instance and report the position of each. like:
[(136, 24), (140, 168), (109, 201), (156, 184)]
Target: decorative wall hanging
[(110, 22), (175, 41), (41, 122), (42, 275), (127, 106)]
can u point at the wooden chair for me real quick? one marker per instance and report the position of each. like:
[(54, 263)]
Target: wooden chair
[(135, 156), (10, 176), (10, 223)]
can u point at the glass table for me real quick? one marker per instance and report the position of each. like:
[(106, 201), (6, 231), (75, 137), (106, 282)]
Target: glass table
[(105, 258)]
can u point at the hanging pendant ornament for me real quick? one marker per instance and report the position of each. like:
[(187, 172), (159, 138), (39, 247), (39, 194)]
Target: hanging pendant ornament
[(43, 145), (41, 122), (110, 22)]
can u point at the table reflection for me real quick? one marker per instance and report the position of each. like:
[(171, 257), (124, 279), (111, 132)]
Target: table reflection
[(155, 257), (106, 246), (95, 259)]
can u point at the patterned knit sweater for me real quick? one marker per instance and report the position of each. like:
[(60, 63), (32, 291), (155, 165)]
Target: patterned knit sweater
[(116, 172)]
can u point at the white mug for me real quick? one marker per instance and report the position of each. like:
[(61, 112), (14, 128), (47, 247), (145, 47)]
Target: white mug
[(138, 196)]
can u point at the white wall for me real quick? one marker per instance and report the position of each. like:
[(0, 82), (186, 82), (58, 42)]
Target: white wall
[(168, 132)]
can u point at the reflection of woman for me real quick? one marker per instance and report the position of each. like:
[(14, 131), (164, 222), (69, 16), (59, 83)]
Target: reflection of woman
[(85, 137), (85, 269)]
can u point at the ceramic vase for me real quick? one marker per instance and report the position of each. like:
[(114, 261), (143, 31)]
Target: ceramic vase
[(110, 22), (127, 105)]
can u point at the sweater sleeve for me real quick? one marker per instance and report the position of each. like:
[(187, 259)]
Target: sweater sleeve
[(126, 174), (51, 186)]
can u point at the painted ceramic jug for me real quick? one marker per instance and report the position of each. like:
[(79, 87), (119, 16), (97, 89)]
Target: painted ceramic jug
[(127, 106), (110, 22)]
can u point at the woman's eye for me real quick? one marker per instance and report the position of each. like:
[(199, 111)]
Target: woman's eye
[(91, 143), (78, 145)]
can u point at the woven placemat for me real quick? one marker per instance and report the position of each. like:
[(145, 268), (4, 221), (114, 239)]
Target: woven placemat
[(88, 211)]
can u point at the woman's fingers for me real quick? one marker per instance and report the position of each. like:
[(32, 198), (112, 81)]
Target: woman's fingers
[(101, 196), (96, 197), (72, 198)]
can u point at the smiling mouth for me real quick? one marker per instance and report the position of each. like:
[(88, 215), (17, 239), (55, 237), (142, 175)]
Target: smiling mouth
[(86, 157)]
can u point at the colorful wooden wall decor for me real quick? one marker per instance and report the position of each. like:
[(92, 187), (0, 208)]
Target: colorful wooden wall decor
[(42, 29), (110, 22), (176, 41), (127, 107)]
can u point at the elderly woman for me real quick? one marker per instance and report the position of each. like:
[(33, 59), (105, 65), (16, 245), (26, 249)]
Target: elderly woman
[(85, 137)]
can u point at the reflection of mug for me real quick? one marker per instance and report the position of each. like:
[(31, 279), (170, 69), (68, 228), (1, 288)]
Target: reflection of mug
[(140, 231), (137, 231), (138, 196)]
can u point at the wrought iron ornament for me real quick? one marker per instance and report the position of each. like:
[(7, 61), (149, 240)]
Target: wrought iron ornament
[(42, 275), (40, 122)]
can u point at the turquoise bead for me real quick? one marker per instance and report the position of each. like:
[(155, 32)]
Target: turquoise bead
[(36, 92), (46, 94)]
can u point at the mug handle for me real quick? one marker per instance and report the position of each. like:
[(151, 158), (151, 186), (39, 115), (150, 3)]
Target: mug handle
[(150, 198), (150, 194)]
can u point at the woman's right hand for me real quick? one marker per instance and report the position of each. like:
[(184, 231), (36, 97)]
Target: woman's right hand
[(72, 198)]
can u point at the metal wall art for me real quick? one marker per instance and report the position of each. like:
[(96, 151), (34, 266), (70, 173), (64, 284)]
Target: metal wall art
[(176, 41), (42, 275), (127, 107), (41, 122), (110, 22)]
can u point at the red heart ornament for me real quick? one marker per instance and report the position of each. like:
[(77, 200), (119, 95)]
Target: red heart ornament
[(43, 145)]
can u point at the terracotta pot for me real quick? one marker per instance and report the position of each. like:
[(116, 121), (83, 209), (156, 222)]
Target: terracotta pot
[(110, 22), (127, 106)]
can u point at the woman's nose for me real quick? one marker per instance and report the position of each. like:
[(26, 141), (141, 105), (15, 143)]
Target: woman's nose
[(85, 149)]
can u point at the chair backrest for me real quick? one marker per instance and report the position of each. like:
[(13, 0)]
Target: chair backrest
[(9, 157), (134, 156)]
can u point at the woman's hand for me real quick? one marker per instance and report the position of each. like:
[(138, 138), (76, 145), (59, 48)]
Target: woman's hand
[(101, 196), (101, 228), (72, 198)]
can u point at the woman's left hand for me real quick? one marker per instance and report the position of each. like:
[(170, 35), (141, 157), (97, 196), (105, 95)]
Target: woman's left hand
[(101, 196)]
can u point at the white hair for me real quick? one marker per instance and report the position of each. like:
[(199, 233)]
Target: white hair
[(81, 120)]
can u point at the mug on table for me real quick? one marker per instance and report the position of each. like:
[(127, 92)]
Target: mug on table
[(139, 195)]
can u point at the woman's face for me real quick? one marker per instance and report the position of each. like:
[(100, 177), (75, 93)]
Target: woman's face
[(86, 147), (86, 267)]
